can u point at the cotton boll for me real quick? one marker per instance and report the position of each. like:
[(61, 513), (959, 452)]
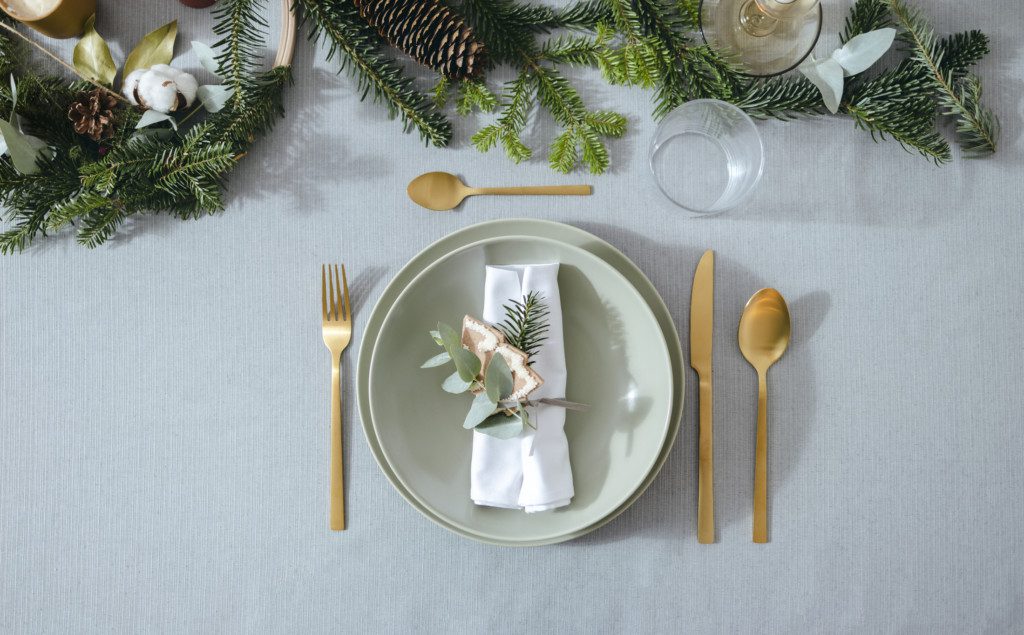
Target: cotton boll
[(131, 83), (162, 88)]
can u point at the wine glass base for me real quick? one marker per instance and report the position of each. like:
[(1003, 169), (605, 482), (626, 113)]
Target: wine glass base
[(778, 52)]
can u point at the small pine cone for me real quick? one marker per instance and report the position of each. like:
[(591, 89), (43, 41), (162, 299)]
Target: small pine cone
[(429, 32), (92, 114)]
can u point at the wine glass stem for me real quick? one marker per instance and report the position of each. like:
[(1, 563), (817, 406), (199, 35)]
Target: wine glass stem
[(755, 21)]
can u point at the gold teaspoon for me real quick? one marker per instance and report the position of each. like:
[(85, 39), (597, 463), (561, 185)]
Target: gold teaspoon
[(764, 336), (442, 191)]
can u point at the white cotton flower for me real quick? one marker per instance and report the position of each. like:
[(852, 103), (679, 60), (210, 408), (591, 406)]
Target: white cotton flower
[(160, 88)]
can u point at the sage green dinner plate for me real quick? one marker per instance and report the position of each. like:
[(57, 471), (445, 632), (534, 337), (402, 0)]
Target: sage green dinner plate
[(617, 361), (558, 231)]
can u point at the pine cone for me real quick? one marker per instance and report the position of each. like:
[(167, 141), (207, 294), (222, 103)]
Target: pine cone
[(427, 31), (92, 114)]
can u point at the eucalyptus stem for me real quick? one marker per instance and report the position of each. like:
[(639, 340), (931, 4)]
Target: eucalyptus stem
[(57, 59)]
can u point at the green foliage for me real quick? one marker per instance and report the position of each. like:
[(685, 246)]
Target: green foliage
[(97, 187), (944, 63), (526, 323), (358, 48)]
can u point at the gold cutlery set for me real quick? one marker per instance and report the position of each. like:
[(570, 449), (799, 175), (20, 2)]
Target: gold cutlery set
[(763, 337), (337, 331)]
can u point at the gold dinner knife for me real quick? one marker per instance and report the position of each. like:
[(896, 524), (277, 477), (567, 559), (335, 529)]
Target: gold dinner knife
[(702, 312)]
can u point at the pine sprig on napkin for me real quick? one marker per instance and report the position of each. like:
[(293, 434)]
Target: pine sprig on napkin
[(526, 323)]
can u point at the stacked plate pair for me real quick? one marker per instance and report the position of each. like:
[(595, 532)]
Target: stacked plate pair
[(623, 360)]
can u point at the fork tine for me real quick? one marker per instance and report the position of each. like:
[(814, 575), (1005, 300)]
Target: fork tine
[(334, 307), (348, 305), (323, 289)]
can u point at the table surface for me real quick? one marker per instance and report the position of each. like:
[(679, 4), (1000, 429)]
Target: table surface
[(162, 469)]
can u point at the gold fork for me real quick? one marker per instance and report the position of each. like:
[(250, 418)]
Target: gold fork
[(337, 329)]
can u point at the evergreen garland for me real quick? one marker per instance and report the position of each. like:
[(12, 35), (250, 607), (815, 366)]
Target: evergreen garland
[(655, 44), (97, 187)]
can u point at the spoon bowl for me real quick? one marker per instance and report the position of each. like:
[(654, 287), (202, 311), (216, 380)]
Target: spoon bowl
[(764, 329), (438, 191), (763, 336)]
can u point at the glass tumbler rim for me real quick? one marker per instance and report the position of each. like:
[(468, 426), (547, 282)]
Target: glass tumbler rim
[(748, 123)]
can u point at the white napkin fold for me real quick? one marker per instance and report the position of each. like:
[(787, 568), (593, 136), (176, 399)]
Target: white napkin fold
[(532, 471)]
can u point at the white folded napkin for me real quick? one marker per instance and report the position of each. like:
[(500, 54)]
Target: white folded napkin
[(532, 471)]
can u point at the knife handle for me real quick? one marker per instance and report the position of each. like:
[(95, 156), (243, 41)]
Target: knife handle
[(706, 466)]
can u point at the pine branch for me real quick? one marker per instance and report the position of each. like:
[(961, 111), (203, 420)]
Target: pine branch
[(865, 16), (780, 98), (505, 26), (357, 47), (526, 323), (977, 127), (899, 104)]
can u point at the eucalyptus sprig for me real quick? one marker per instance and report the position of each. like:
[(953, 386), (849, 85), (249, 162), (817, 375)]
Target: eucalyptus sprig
[(495, 387)]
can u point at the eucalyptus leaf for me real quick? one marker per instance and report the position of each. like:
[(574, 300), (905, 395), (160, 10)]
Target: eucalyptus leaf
[(207, 58), (3, 146), (449, 338), (14, 96), (501, 426), (156, 47), (92, 56), (437, 338), (214, 98), (481, 408), (25, 150), (151, 117), (467, 363), (455, 384), (437, 360), (498, 379)]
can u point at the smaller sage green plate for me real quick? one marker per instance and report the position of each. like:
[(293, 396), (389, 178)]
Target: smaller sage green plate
[(617, 360)]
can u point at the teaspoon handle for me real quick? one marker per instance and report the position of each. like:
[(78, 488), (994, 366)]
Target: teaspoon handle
[(761, 462), (573, 190)]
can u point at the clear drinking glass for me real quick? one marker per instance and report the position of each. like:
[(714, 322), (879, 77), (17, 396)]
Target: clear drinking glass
[(706, 156)]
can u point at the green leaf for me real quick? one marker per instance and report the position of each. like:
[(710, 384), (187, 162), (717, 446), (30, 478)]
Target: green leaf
[(92, 56), (151, 117), (437, 338), (207, 58), (499, 378), (214, 98), (482, 408), (437, 360), (156, 47), (467, 364), (501, 426), (455, 384), (24, 149)]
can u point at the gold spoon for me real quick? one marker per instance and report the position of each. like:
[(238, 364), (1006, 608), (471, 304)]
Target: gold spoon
[(764, 336), (441, 191)]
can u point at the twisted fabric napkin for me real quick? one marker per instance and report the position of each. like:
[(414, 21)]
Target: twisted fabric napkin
[(530, 472)]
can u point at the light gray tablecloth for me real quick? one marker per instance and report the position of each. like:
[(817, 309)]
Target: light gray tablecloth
[(164, 417)]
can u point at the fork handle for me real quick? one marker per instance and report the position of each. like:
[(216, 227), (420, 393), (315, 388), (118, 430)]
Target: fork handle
[(337, 513)]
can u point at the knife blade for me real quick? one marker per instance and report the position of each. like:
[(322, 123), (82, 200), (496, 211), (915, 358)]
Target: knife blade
[(702, 313)]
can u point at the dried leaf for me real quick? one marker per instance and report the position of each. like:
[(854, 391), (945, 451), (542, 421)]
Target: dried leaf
[(157, 47), (207, 58), (24, 149), (214, 98), (92, 56), (151, 117)]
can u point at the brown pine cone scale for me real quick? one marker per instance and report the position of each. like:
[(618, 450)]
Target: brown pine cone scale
[(92, 114), (429, 32)]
